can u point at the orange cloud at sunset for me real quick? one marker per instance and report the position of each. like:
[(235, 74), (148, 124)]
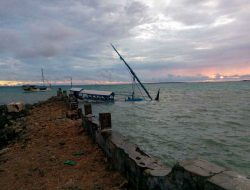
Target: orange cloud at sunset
[(10, 83), (62, 82), (212, 72)]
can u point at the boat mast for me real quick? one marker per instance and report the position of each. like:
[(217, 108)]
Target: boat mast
[(42, 77), (132, 72), (70, 81)]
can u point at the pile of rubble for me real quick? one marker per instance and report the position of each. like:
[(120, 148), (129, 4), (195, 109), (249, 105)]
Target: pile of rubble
[(12, 122)]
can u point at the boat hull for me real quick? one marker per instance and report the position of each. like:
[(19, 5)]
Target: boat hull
[(34, 88), (134, 99)]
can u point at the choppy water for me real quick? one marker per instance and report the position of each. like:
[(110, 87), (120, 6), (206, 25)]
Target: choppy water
[(206, 120)]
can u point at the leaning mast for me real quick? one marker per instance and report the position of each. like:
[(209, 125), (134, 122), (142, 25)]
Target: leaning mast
[(132, 72)]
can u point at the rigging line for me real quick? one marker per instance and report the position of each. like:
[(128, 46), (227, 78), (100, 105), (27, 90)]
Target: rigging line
[(133, 79), (129, 72), (133, 86), (134, 82), (140, 91)]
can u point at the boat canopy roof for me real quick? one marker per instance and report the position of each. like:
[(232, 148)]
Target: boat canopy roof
[(76, 89), (97, 93)]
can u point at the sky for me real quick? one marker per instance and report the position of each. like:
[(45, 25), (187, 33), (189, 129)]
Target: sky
[(163, 40)]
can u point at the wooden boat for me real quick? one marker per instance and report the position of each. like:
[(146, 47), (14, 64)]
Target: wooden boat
[(92, 95), (30, 88)]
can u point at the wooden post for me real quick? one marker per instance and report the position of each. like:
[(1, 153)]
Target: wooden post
[(64, 93), (87, 109), (79, 112), (59, 92), (105, 120)]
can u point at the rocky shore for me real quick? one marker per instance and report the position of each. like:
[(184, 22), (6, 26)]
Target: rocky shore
[(12, 125), (43, 149)]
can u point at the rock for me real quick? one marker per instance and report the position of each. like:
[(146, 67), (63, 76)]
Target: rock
[(4, 150), (16, 107), (52, 158), (62, 143), (73, 187), (72, 115), (19, 130), (123, 185), (9, 117), (38, 171), (3, 121)]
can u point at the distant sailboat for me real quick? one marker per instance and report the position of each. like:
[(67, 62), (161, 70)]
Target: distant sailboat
[(132, 98), (35, 88), (43, 87)]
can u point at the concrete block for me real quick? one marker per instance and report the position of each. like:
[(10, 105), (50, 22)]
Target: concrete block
[(145, 172), (15, 107), (141, 170), (228, 180), (201, 167), (192, 174)]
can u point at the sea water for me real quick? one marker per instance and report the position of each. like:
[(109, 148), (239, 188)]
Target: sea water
[(192, 120)]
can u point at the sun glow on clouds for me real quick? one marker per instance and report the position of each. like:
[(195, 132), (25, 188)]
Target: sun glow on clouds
[(210, 4), (223, 20), (62, 82), (10, 83), (161, 23), (88, 82), (206, 74), (16, 83)]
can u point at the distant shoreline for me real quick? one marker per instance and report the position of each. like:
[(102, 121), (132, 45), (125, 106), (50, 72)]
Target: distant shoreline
[(58, 85)]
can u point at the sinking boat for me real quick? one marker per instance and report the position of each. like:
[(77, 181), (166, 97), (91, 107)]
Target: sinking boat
[(132, 97)]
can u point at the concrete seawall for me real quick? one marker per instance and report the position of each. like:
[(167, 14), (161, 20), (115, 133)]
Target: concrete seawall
[(146, 172)]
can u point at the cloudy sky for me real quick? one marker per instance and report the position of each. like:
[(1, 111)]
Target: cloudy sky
[(163, 40)]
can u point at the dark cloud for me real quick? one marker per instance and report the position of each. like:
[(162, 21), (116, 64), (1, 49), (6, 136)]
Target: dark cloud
[(72, 38)]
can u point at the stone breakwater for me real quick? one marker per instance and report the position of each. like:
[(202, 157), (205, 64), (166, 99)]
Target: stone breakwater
[(55, 153), (145, 172), (11, 125)]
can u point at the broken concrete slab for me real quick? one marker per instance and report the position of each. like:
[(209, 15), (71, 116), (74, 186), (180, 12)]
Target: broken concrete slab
[(228, 180)]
